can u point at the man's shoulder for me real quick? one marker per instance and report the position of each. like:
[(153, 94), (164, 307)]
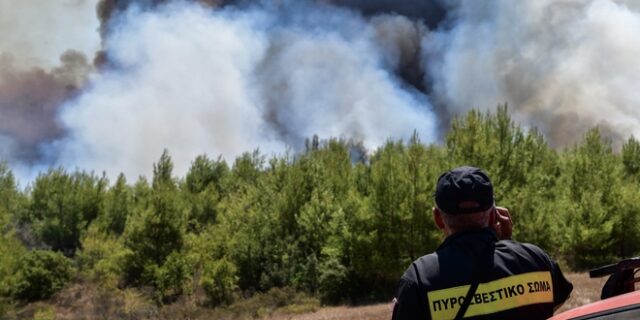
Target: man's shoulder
[(424, 265), (530, 247), (527, 250)]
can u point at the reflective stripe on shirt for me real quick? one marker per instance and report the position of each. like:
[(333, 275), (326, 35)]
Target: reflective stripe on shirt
[(494, 296)]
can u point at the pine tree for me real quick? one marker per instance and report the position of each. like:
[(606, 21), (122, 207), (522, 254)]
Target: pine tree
[(63, 205), (591, 202), (118, 206), (156, 236)]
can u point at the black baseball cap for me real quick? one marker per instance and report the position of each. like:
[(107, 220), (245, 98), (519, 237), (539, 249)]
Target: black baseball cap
[(464, 190)]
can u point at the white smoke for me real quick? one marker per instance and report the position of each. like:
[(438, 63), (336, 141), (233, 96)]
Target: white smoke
[(37, 32), (563, 66), (197, 80), (224, 82), (45, 49)]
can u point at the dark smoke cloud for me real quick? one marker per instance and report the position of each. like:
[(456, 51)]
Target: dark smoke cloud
[(431, 13), (29, 103), (108, 9), (43, 64), (224, 77), (194, 80)]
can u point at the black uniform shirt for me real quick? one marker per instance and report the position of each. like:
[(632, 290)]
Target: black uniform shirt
[(516, 280)]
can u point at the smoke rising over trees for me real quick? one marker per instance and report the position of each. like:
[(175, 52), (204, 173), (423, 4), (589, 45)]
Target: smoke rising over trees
[(29, 103), (226, 76), (42, 64)]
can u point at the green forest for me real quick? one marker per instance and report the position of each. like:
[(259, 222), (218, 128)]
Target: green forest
[(335, 222)]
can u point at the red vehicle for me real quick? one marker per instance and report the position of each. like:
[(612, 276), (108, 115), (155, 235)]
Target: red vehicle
[(619, 300)]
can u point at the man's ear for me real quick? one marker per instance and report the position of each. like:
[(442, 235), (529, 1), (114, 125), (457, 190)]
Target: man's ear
[(437, 218)]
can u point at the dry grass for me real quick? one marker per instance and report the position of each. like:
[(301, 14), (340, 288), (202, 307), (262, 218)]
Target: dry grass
[(585, 290), (88, 301), (375, 312)]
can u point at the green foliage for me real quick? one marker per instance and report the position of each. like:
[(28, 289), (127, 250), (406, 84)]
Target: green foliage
[(335, 222), (246, 169), (118, 206), (10, 250), (631, 158), (255, 242), (39, 274), (389, 193), (591, 197), (205, 172), (162, 171), (45, 313), (205, 184), (11, 200), (333, 281), (141, 193), (101, 257), (155, 236), (170, 278), (400, 188), (219, 281), (63, 205), (626, 238), (496, 144)]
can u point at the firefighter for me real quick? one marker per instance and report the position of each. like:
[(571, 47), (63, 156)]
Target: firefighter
[(478, 271)]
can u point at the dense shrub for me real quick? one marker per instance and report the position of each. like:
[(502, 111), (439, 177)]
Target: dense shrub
[(333, 279), (40, 274), (62, 207), (171, 277), (101, 257), (219, 281)]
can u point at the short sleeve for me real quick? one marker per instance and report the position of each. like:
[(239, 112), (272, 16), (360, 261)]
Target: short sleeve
[(562, 287), (408, 305)]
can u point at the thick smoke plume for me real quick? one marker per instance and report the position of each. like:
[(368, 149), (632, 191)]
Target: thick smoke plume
[(229, 81), (224, 77), (563, 66), (37, 33), (39, 72), (29, 102)]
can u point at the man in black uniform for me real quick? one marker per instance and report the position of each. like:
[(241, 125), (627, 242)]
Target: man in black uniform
[(478, 272)]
